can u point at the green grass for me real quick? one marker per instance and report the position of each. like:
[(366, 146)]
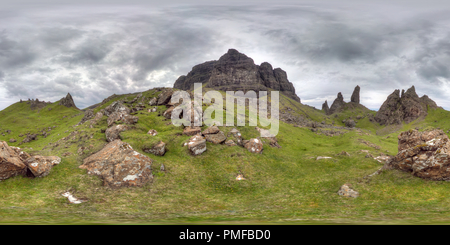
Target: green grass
[(283, 185)]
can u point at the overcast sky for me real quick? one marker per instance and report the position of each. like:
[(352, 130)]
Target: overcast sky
[(93, 50)]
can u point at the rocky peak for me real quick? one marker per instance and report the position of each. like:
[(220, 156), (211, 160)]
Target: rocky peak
[(355, 95), (67, 101), (405, 108), (235, 71), (337, 104), (234, 56), (325, 108)]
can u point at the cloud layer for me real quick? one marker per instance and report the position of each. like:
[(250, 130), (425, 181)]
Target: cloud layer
[(94, 51)]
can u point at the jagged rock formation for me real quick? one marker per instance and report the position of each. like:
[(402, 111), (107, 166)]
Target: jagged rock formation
[(235, 71), (337, 104), (405, 108), (67, 101), (325, 108), (355, 95)]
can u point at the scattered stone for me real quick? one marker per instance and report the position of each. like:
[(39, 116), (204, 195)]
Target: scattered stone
[(158, 149), (119, 165), (230, 143), (320, 157), (344, 153), (217, 138), (197, 145), (347, 191), (211, 130), (153, 102), (153, 109), (152, 132), (29, 138), (369, 155), (190, 130), (240, 177), (116, 106), (12, 140), (113, 132), (350, 123), (40, 166), (72, 199), (254, 145), (162, 168)]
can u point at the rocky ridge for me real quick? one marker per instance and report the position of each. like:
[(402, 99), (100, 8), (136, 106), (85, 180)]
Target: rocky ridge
[(235, 71)]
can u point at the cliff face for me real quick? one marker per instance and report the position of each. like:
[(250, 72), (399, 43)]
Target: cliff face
[(235, 71), (405, 108)]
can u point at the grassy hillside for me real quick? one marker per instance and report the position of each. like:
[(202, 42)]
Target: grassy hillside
[(283, 184)]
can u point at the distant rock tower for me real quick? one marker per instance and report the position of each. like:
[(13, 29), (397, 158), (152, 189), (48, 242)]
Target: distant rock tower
[(355, 95), (338, 103), (67, 101), (325, 108)]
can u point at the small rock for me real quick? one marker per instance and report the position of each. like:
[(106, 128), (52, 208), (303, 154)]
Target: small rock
[(152, 132), (320, 157), (158, 149), (347, 191)]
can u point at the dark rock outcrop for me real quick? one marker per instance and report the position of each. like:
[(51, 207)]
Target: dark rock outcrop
[(235, 71), (337, 104), (355, 95), (325, 108), (67, 101), (406, 108)]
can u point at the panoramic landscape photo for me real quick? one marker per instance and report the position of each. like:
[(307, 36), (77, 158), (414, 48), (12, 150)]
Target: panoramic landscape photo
[(210, 112)]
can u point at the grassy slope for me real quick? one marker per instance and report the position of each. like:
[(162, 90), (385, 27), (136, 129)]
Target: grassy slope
[(282, 185)]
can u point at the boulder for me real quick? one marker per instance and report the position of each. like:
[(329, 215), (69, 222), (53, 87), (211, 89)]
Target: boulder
[(116, 106), (197, 145), (158, 149), (113, 132), (40, 166), (254, 145), (153, 101), (165, 96), (211, 130), (217, 138), (190, 130), (10, 162), (350, 123), (119, 165), (119, 116), (230, 143), (423, 157)]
